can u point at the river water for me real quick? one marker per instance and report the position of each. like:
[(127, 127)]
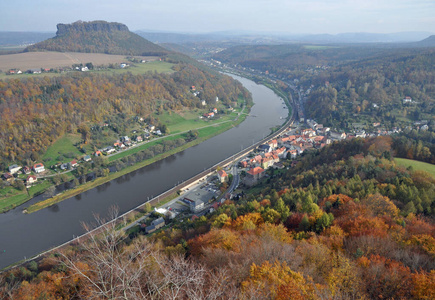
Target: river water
[(23, 235)]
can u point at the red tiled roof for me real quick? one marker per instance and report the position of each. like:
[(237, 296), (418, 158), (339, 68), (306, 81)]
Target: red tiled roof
[(222, 173), (38, 165), (256, 171)]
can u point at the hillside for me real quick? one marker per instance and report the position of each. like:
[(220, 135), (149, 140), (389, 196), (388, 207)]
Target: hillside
[(342, 224), (98, 37), (428, 42), (372, 90)]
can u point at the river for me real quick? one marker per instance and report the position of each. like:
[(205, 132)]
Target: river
[(25, 235)]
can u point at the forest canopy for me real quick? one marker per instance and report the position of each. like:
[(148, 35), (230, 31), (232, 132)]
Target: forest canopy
[(34, 112)]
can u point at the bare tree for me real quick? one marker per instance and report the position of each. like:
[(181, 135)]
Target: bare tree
[(110, 269)]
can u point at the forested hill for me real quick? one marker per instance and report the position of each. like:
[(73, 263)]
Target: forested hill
[(373, 90), (98, 37), (428, 42), (345, 223)]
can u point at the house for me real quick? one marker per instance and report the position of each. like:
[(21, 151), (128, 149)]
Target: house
[(73, 163), (156, 224), (26, 170), (267, 162), (34, 71), (278, 165), (424, 127), (253, 175), (222, 175), (308, 132), (337, 135), (31, 179), (139, 139), (126, 138), (407, 99), (361, 134), (14, 169), (215, 110), (109, 150), (38, 168), (209, 115), (8, 177), (293, 154), (87, 158), (264, 148), (273, 143), (193, 88), (280, 152), (203, 103), (243, 164), (98, 153)]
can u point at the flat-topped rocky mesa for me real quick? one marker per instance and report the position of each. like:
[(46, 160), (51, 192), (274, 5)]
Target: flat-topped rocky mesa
[(80, 26), (98, 37)]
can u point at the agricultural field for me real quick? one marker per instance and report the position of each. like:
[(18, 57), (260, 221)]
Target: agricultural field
[(416, 165), (37, 60), (140, 68), (189, 120)]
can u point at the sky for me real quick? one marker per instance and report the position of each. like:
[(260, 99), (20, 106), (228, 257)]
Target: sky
[(195, 16)]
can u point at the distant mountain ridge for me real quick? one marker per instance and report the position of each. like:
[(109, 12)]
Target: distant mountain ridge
[(253, 38), (428, 42), (98, 37)]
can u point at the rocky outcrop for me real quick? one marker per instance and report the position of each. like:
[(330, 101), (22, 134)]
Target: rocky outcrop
[(79, 26)]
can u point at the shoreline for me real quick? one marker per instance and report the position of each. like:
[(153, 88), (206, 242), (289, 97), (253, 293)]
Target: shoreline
[(102, 180), (161, 198)]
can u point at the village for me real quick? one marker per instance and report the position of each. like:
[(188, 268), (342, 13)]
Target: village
[(27, 177)]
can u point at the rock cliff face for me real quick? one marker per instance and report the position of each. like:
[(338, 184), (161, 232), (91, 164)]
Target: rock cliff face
[(98, 37), (79, 26)]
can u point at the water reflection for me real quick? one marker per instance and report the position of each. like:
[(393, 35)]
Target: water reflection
[(103, 187), (54, 208)]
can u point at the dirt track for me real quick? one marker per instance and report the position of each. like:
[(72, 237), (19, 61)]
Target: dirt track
[(33, 60)]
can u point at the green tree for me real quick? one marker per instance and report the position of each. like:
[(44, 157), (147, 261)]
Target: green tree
[(283, 210)]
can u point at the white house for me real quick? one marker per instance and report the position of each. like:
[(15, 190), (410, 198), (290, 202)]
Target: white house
[(407, 100), (31, 179), (38, 168), (14, 169)]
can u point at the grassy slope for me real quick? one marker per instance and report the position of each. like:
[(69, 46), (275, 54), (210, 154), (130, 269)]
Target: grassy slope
[(63, 145), (416, 165), (21, 197)]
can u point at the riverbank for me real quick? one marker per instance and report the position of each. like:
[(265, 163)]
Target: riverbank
[(61, 223), (204, 134)]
